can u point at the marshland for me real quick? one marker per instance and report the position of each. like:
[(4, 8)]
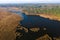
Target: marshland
[(30, 21)]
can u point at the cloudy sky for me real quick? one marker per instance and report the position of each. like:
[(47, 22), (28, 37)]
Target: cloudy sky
[(29, 1)]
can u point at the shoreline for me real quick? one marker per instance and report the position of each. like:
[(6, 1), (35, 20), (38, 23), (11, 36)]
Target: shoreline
[(52, 17)]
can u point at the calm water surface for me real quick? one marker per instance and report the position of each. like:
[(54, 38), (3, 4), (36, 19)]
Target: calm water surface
[(53, 26)]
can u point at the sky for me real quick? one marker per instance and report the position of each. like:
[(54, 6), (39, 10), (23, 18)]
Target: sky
[(29, 1)]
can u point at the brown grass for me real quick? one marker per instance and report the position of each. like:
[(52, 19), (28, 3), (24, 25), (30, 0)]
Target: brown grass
[(35, 29), (52, 17), (4, 14), (8, 24), (45, 37)]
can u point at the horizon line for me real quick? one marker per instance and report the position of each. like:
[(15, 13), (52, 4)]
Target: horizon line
[(29, 3)]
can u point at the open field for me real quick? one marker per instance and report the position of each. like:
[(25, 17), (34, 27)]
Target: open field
[(8, 23)]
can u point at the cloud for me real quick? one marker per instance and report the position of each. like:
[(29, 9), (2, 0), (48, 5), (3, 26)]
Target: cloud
[(40, 1), (29, 1), (9, 1)]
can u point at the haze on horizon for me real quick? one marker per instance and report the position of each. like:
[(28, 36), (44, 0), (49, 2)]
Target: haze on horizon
[(29, 1)]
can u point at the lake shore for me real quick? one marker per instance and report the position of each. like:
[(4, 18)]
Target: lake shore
[(52, 17)]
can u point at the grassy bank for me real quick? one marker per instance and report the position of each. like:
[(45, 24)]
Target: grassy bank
[(8, 24)]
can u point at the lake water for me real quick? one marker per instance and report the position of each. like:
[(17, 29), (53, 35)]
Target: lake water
[(52, 26)]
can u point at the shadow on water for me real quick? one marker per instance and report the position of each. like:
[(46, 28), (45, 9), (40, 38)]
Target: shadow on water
[(31, 21)]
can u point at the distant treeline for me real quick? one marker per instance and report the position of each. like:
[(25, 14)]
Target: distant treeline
[(46, 9), (37, 8)]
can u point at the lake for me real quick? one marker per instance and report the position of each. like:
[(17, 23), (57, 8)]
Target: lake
[(30, 21)]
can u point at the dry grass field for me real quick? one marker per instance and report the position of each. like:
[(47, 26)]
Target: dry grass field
[(52, 17), (8, 24)]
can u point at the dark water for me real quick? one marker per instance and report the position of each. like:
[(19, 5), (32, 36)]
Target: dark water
[(53, 26), (30, 21)]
